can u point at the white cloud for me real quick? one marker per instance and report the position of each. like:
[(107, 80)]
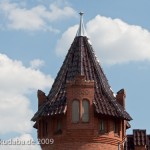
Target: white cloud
[(19, 143), (17, 81), (114, 41), (15, 113), (36, 63), (64, 42), (36, 18)]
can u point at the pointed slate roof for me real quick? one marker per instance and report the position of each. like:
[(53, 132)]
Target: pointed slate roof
[(81, 60)]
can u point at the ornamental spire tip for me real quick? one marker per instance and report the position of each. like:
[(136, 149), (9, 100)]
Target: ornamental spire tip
[(81, 13), (81, 30)]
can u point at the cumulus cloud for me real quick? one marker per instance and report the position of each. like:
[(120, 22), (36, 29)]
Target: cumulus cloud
[(17, 81), (19, 17), (36, 63), (20, 143), (15, 114), (114, 41), (64, 42)]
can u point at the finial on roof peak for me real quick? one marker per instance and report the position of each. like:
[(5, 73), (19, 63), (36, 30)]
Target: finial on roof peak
[(81, 13), (81, 30)]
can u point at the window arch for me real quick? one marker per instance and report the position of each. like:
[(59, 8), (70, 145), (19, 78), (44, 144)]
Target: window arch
[(101, 125), (58, 126), (43, 128), (85, 110), (116, 126), (75, 111)]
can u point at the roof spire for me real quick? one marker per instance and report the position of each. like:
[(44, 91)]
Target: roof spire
[(81, 30)]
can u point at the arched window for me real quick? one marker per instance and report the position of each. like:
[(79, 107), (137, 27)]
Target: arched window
[(116, 126), (75, 111), (58, 126), (85, 110), (101, 125), (44, 127)]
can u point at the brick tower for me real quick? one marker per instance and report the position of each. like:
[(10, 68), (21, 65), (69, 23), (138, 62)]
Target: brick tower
[(81, 112)]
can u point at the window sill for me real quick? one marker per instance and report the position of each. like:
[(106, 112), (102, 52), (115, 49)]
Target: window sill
[(85, 122), (75, 122), (103, 132), (81, 122), (116, 135)]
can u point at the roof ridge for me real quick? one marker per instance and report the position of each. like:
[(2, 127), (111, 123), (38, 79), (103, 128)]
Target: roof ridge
[(118, 107)]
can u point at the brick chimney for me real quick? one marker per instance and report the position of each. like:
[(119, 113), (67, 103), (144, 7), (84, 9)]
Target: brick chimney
[(120, 97), (41, 97)]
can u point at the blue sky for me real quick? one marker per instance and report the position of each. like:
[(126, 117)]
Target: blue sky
[(35, 37)]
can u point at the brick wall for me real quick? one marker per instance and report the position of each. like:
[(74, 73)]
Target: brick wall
[(81, 135), (81, 146)]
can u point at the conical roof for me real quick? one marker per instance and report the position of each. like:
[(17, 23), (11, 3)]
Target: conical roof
[(81, 60)]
